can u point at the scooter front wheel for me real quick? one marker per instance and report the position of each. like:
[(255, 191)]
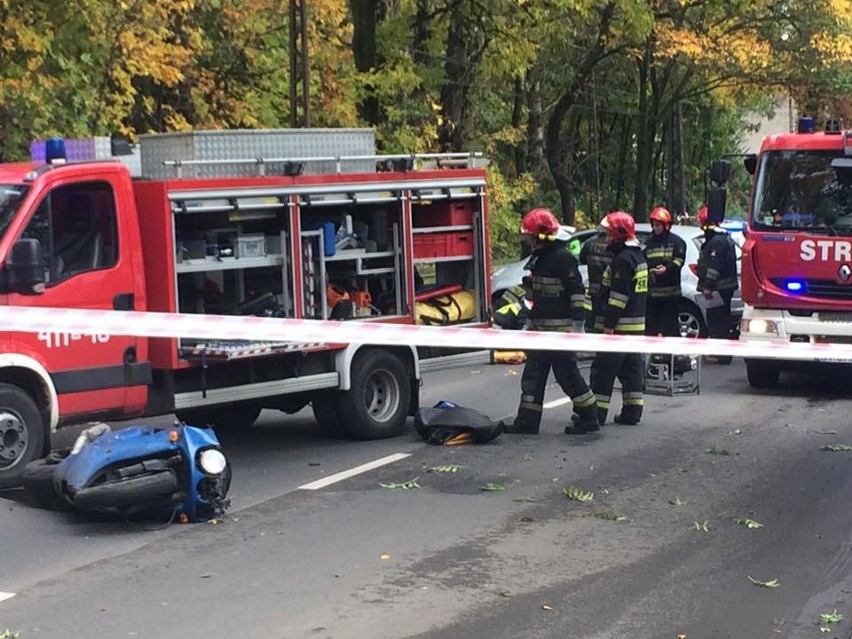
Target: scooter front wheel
[(136, 491)]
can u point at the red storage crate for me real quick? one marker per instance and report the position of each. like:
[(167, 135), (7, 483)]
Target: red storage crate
[(443, 245), (442, 214)]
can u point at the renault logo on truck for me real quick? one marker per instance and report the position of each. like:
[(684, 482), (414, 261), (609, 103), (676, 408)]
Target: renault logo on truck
[(844, 272), (825, 250)]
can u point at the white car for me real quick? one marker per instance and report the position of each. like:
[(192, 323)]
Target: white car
[(693, 320)]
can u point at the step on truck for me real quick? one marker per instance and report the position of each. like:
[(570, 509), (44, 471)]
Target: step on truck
[(281, 223), (797, 256)]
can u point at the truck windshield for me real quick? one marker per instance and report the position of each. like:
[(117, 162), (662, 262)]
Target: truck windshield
[(801, 190), (10, 198)]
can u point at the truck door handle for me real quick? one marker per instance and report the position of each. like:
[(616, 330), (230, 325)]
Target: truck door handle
[(124, 302)]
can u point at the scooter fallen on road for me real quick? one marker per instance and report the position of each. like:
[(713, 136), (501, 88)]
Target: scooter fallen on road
[(177, 473)]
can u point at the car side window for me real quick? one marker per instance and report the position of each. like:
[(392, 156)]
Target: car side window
[(77, 228)]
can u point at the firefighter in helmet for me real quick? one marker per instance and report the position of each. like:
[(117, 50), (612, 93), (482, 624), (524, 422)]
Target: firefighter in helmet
[(717, 278), (557, 295), (665, 254), (596, 256), (624, 290)]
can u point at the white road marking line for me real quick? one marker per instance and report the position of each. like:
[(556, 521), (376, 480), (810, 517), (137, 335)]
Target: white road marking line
[(346, 474), (6, 595), (557, 402)]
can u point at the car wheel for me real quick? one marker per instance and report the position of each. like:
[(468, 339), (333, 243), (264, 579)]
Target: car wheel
[(691, 321)]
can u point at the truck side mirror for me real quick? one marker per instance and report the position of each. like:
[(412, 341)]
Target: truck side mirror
[(720, 171), (750, 163), (25, 267)]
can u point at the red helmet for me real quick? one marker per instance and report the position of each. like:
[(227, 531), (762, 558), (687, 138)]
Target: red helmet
[(540, 224), (703, 214), (620, 226), (661, 215)]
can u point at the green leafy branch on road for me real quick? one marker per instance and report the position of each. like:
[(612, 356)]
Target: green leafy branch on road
[(444, 468), (578, 494), (828, 618), (406, 485), (837, 448), (772, 583)]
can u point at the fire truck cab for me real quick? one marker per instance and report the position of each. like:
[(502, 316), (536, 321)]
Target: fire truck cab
[(797, 258), (287, 223)]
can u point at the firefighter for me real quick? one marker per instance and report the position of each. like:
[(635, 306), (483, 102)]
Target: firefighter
[(624, 290), (717, 278), (665, 254), (596, 256), (557, 292)]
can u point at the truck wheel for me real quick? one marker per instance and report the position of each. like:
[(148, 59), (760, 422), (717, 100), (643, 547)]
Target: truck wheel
[(136, 491), (233, 417), (324, 405), (22, 434), (762, 373), (377, 404)]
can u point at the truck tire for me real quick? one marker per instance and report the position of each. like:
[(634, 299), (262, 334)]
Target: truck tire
[(233, 417), (762, 373), (136, 491), (324, 404), (376, 406), (22, 434)]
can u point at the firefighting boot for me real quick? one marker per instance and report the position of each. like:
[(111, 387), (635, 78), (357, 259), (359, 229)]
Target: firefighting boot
[(584, 421), (521, 427), (629, 416)]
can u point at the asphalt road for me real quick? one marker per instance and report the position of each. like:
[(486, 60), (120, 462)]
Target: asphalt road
[(449, 559)]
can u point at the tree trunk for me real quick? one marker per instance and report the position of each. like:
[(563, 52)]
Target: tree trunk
[(554, 143), (644, 142), (521, 148), (364, 21)]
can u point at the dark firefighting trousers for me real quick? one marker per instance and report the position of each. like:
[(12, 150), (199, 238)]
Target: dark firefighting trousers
[(629, 368), (534, 381), (719, 317), (661, 316)]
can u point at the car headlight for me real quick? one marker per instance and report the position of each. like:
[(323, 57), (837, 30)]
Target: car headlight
[(212, 461), (760, 327)]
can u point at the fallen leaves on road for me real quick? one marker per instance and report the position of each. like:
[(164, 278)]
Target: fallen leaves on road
[(406, 485), (492, 488), (676, 501), (702, 526), (717, 451), (772, 583), (444, 468), (578, 494), (748, 523), (611, 516), (837, 448)]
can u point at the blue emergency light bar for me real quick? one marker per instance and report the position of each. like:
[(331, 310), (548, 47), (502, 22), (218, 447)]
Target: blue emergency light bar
[(54, 149), (806, 125)]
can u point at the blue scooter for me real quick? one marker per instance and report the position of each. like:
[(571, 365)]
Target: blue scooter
[(179, 473)]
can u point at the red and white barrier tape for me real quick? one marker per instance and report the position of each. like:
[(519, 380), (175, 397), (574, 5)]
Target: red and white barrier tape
[(225, 327)]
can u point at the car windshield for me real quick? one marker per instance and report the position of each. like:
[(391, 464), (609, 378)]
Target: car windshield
[(802, 190)]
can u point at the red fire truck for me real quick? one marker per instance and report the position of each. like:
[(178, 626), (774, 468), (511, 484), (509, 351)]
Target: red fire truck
[(797, 258), (273, 223)]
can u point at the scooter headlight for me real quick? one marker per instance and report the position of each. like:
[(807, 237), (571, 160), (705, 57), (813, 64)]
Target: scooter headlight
[(212, 461)]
